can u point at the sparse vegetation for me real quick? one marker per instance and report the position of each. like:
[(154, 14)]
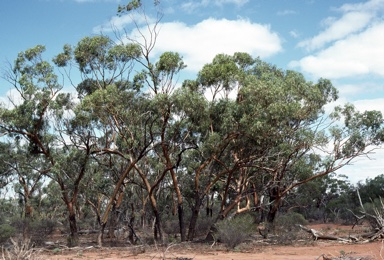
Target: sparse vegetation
[(233, 232), (21, 249), (133, 150)]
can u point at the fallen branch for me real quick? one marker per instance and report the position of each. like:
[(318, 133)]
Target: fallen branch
[(318, 235)]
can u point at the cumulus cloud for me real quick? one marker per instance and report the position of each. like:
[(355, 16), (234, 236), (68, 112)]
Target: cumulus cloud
[(349, 23), (358, 54), (354, 18), (370, 104), (199, 43)]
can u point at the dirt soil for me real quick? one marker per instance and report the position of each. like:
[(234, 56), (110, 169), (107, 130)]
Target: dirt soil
[(257, 249)]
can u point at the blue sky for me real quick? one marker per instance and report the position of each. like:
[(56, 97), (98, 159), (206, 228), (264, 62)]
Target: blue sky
[(342, 40)]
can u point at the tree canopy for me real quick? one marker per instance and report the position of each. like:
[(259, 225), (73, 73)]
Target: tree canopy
[(244, 135)]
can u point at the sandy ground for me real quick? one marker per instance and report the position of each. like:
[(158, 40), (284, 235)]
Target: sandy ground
[(367, 251), (255, 250)]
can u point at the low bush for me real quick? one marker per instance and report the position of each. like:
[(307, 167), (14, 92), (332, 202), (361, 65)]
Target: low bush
[(287, 229), (40, 229), (20, 250), (233, 232), (290, 220), (6, 231)]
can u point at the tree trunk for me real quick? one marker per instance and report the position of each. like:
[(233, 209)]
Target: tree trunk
[(272, 213), (273, 208), (158, 232), (131, 224), (112, 222), (194, 217), (28, 215), (73, 236), (100, 235), (180, 211)]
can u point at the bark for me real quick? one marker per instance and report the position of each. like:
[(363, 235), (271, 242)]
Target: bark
[(274, 199), (194, 217), (209, 208), (28, 215), (130, 225), (180, 211), (158, 232), (73, 236), (100, 235), (112, 222)]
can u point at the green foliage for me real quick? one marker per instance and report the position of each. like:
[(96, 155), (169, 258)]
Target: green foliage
[(233, 232), (242, 128), (289, 221), (6, 232)]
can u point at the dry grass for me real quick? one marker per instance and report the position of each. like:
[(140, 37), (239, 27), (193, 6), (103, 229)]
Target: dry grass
[(20, 250)]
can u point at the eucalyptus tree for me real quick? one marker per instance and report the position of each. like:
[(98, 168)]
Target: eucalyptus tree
[(279, 134), (303, 143), (42, 120), (31, 174), (159, 78), (118, 109), (208, 105)]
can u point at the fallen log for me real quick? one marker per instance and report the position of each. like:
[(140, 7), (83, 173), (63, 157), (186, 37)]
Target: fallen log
[(318, 235)]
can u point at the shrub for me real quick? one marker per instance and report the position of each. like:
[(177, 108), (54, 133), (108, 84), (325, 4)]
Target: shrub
[(203, 224), (290, 220), (6, 231), (233, 232), (40, 229), (286, 227), (21, 249)]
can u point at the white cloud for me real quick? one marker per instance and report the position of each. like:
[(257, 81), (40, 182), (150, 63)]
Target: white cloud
[(349, 23), (355, 17), (370, 104), (372, 5), (365, 167), (11, 98), (199, 43), (350, 46), (294, 34), (357, 89), (358, 54)]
